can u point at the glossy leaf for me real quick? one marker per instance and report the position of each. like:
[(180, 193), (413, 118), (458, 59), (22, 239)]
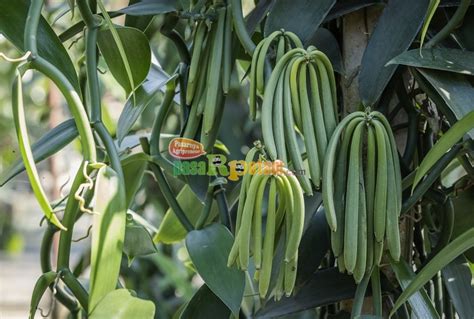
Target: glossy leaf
[(444, 59), (326, 42), (41, 285), (171, 230), (441, 260), (309, 254), (150, 7), (457, 279), (19, 120), (209, 249), (463, 217), (302, 17), (108, 233), (145, 95), (342, 8), (325, 287), (123, 305), (404, 16), (455, 91), (138, 241), (420, 302), (136, 46), (12, 26), (451, 137), (205, 304), (133, 167), (139, 22), (49, 144)]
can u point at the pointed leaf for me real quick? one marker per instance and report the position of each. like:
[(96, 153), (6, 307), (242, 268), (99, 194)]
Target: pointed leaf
[(325, 287), (49, 144), (133, 167), (128, 70), (457, 279), (302, 17), (205, 304), (444, 59), (108, 233), (209, 249), (150, 7), (451, 137), (145, 95), (12, 26), (171, 230), (442, 259), (41, 285), (455, 91), (123, 305), (138, 241), (404, 16), (420, 302)]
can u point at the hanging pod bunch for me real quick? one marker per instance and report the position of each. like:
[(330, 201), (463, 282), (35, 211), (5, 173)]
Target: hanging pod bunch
[(362, 192), (284, 217), (209, 71), (301, 93), (270, 49)]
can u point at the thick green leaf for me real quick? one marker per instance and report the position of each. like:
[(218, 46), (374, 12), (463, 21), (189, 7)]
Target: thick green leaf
[(325, 287), (463, 216), (451, 137), (420, 302), (205, 304), (137, 55), (49, 144), (441, 260), (209, 249), (394, 33), (133, 167), (150, 7), (146, 94), (455, 91), (444, 59), (123, 305), (171, 230), (309, 254), (41, 285), (457, 279), (139, 22), (342, 8), (138, 241), (12, 26), (108, 234), (326, 42), (302, 17)]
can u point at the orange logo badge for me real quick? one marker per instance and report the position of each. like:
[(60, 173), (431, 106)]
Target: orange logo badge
[(185, 148)]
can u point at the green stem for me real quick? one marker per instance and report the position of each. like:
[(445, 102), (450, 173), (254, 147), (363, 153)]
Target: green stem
[(31, 27), (170, 197), (92, 23), (240, 28), (75, 105), (157, 125), (70, 216), (206, 210), (223, 207), (180, 45), (455, 21), (376, 291), (45, 260), (111, 149), (77, 289)]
